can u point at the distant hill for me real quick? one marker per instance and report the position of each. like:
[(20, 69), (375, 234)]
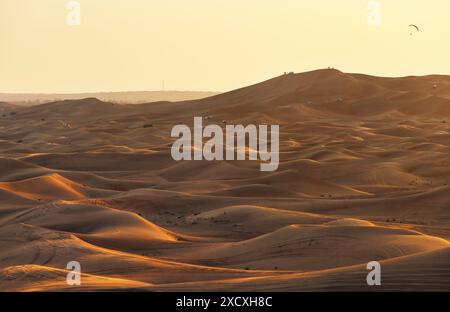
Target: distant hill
[(330, 92), (292, 97), (133, 97)]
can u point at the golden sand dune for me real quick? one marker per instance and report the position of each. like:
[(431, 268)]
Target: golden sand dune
[(428, 269), (45, 188), (11, 199), (40, 278), (364, 176), (314, 247)]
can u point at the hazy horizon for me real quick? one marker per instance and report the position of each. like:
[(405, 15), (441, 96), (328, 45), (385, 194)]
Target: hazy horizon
[(130, 97), (212, 91), (211, 45)]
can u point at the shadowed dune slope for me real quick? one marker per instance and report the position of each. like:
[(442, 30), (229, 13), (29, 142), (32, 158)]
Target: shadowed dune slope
[(364, 175)]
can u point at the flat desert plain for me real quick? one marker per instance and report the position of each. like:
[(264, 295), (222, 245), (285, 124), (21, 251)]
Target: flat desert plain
[(364, 176)]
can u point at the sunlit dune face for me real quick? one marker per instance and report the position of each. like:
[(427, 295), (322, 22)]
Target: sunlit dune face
[(362, 176)]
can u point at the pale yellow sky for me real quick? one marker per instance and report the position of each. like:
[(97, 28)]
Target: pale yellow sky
[(217, 45)]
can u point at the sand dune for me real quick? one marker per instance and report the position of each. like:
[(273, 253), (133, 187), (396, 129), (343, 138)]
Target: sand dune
[(36, 278), (45, 188), (363, 176), (119, 97), (427, 269), (308, 247)]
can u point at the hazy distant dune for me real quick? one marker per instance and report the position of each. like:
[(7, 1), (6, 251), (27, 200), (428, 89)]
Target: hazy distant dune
[(116, 97)]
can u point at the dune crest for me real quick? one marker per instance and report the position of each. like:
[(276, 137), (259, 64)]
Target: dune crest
[(363, 176)]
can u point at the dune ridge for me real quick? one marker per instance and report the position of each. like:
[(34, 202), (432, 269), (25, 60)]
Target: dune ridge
[(364, 176)]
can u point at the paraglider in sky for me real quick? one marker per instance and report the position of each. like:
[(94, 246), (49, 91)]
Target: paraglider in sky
[(414, 26)]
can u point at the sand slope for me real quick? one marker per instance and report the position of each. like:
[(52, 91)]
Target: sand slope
[(364, 176)]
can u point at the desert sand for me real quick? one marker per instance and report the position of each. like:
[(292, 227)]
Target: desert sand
[(364, 176)]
